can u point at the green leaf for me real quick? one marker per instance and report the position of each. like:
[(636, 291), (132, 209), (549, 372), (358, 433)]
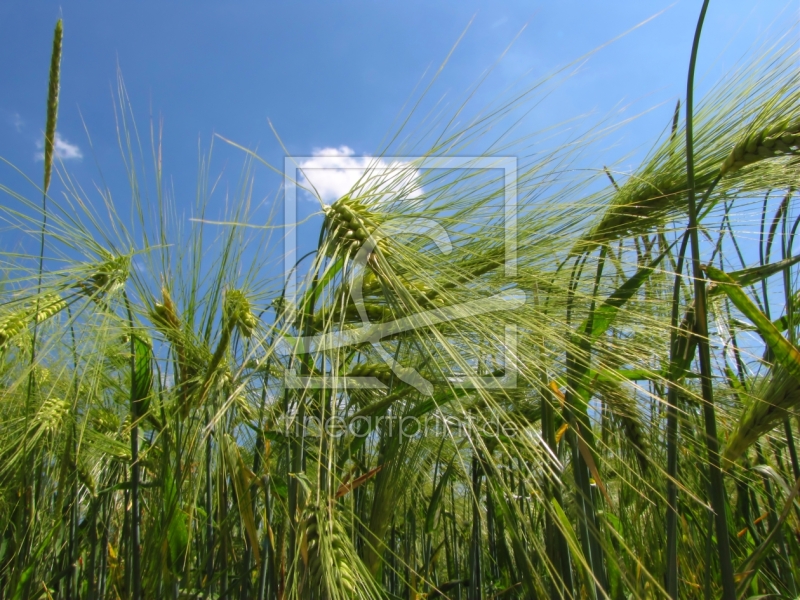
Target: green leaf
[(177, 529), (782, 323), (304, 481), (607, 311), (785, 353), (436, 498), (751, 566), (753, 275), (761, 416), (316, 291), (279, 486), (242, 477), (572, 542), (142, 375), (35, 560), (23, 581)]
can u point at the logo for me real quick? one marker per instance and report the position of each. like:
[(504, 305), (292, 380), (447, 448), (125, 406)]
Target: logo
[(373, 333)]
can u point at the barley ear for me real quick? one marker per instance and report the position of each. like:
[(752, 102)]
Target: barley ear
[(46, 307), (675, 119), (52, 103), (49, 306), (238, 313), (10, 326), (779, 139)]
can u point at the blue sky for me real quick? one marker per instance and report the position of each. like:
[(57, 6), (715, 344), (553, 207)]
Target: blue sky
[(334, 74)]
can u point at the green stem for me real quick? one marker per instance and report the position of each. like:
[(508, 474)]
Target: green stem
[(784, 571), (789, 299), (576, 367), (556, 543), (209, 507), (717, 490), (474, 592), (135, 534), (671, 579)]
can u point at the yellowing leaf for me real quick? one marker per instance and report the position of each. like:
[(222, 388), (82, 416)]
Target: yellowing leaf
[(557, 392), (346, 488), (561, 431)]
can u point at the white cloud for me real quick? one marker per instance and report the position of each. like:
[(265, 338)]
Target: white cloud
[(17, 122), (334, 171), (63, 150)]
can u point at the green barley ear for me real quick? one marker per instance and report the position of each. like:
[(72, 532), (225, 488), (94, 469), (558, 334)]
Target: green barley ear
[(108, 277), (348, 224), (675, 118), (49, 306), (325, 545), (52, 103), (238, 313), (779, 139), (165, 316), (380, 371), (51, 414), (11, 324), (624, 408), (773, 400)]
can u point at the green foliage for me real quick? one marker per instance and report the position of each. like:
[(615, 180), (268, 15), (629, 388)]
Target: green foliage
[(511, 437)]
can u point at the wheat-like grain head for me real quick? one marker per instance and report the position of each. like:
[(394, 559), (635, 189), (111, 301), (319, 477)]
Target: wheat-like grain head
[(780, 139)]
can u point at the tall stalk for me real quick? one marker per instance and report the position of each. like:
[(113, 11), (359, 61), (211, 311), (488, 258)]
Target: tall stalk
[(671, 579), (209, 509), (580, 434), (717, 484), (790, 329), (49, 153), (561, 584), (28, 507), (135, 532), (475, 588)]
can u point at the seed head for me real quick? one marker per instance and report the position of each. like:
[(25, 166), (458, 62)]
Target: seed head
[(12, 324), (238, 314), (109, 277), (779, 139), (164, 315), (348, 224)]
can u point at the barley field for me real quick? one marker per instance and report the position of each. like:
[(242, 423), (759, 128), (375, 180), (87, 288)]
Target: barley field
[(582, 385)]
